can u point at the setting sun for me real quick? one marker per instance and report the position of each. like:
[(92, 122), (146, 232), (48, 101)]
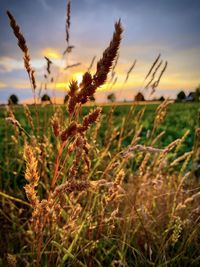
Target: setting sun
[(78, 77)]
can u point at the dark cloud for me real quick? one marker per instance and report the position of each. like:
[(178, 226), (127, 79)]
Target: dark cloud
[(174, 22)]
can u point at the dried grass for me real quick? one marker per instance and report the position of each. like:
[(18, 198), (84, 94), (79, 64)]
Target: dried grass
[(94, 201)]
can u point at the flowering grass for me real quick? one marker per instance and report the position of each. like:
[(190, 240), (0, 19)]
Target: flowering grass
[(83, 186)]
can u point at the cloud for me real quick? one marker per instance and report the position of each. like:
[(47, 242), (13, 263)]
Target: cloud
[(2, 85), (51, 53), (8, 64), (44, 4)]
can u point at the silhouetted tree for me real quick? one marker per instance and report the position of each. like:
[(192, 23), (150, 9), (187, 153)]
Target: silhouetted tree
[(111, 97), (66, 98), (197, 94), (13, 100), (191, 96), (162, 98), (139, 97), (181, 96), (46, 98), (194, 96)]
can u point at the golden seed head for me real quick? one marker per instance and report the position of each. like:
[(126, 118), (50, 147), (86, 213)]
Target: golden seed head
[(31, 173)]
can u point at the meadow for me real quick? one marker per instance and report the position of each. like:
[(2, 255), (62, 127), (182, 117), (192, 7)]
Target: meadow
[(122, 236), (99, 186), (181, 119)]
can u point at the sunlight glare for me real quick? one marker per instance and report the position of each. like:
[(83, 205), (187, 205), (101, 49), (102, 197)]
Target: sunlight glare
[(51, 53)]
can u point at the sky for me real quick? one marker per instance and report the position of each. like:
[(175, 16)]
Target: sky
[(169, 27)]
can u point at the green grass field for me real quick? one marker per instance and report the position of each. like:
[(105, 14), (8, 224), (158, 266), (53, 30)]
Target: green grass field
[(180, 118), (149, 225)]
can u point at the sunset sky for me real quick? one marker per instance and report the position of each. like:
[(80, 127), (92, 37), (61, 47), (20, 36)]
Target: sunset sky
[(169, 27)]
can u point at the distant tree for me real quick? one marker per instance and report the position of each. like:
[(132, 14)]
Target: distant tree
[(13, 100), (162, 98), (46, 98), (66, 98), (194, 96), (92, 98), (111, 97), (191, 96), (197, 94), (139, 97), (181, 96)]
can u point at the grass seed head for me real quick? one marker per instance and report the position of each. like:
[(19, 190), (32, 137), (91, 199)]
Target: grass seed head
[(23, 46)]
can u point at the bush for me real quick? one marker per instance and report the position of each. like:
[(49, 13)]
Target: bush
[(13, 100), (46, 98)]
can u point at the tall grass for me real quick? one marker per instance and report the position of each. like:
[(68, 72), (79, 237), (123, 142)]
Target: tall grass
[(88, 198)]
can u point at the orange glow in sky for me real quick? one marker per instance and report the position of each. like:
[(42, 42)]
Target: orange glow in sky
[(51, 53)]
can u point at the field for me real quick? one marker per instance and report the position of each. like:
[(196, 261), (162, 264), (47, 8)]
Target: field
[(159, 222), (180, 119)]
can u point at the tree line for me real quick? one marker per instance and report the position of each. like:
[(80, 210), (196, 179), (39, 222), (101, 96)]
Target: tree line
[(193, 96)]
